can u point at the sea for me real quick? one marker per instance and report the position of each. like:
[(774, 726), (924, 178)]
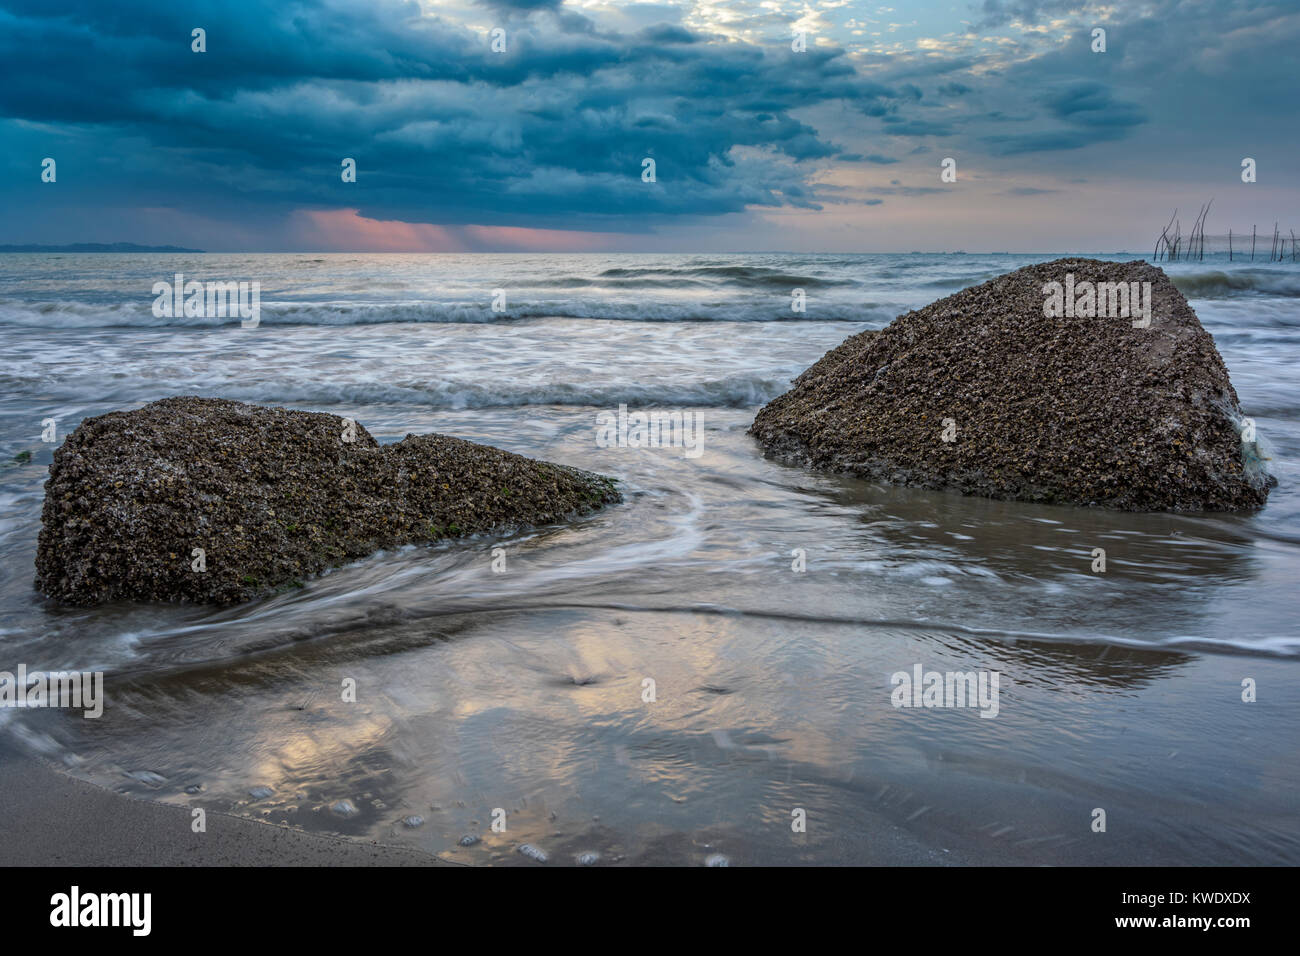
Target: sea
[(708, 673)]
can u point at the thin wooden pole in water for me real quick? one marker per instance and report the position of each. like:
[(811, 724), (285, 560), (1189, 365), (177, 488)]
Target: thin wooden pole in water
[(1162, 244), (1229, 245), (1252, 243)]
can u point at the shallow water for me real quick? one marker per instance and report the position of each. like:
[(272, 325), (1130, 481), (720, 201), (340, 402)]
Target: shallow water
[(523, 691)]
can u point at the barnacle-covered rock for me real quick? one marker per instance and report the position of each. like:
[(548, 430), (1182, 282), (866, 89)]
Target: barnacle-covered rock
[(996, 391), (214, 501)]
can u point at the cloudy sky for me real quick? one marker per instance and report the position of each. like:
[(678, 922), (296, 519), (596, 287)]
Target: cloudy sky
[(541, 147)]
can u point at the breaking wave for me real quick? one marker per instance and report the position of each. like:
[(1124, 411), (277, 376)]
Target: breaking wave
[(1215, 284), (739, 391), (87, 315)]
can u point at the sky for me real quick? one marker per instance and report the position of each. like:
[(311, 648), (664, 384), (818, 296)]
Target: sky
[(757, 146)]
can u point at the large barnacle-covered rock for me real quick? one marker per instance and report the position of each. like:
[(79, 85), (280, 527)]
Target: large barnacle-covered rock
[(1040, 385)]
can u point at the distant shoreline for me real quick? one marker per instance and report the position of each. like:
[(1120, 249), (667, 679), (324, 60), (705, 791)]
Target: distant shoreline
[(119, 247)]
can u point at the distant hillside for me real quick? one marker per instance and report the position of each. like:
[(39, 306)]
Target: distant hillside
[(97, 247)]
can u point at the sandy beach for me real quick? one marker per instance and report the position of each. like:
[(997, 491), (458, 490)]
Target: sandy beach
[(394, 707), (84, 825), (50, 819), (556, 434)]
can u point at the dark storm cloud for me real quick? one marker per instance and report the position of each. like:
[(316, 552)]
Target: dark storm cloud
[(1091, 111), (902, 126), (875, 158), (554, 131), (521, 6), (1089, 103), (1030, 12)]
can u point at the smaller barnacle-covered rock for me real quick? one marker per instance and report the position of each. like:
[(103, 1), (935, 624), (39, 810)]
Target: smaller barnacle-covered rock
[(214, 501)]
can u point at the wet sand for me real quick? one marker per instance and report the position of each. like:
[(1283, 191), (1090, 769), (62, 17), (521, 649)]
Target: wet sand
[(769, 604), (50, 819)]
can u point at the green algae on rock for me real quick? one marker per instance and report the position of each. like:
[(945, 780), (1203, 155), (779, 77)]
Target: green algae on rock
[(269, 496), (982, 392)]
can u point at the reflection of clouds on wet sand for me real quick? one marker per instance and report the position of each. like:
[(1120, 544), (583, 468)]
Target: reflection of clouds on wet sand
[(541, 714)]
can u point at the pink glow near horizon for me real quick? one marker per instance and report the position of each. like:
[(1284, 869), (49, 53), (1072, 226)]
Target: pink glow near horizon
[(347, 230)]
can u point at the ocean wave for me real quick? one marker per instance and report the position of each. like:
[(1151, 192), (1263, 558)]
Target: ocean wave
[(1215, 284), (959, 282), (75, 315), (87, 315), (745, 276), (649, 282), (733, 392), (741, 391)]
